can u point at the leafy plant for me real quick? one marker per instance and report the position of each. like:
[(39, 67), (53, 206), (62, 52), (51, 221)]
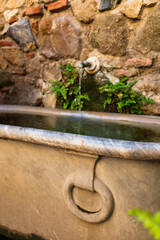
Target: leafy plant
[(151, 222), (121, 98), (67, 91)]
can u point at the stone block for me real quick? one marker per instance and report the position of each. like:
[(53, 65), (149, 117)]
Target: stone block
[(33, 68), (109, 34), (84, 11), (25, 91), (1, 24), (18, 71), (21, 32), (3, 62), (49, 101), (108, 4), (132, 8), (51, 71), (34, 26), (112, 78), (58, 6), (59, 38), (148, 33), (112, 62), (150, 86), (11, 4), (8, 14), (34, 11), (13, 20), (14, 56), (125, 72), (139, 62), (6, 43), (30, 55), (149, 3), (5, 78)]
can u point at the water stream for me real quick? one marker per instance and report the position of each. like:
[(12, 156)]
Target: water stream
[(81, 71)]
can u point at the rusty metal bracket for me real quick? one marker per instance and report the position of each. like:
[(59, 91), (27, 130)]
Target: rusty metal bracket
[(84, 178)]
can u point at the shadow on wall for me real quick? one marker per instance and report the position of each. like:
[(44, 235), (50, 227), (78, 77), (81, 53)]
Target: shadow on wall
[(7, 234)]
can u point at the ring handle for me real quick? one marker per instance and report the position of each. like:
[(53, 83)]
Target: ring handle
[(106, 197)]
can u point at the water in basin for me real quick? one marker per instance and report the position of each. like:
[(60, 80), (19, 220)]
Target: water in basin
[(86, 126)]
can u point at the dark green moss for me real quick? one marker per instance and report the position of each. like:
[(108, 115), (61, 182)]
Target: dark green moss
[(91, 86)]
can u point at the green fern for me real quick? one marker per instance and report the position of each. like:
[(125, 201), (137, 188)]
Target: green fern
[(150, 222), (67, 91), (121, 96)]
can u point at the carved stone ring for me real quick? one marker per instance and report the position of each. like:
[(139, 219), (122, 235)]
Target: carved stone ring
[(92, 217)]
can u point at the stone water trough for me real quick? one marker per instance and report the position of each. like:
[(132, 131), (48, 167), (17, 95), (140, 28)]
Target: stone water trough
[(74, 175)]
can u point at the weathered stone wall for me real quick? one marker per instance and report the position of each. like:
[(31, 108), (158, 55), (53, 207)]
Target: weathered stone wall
[(38, 35)]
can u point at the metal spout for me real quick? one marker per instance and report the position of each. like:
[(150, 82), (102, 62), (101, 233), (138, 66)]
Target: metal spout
[(85, 64), (91, 65)]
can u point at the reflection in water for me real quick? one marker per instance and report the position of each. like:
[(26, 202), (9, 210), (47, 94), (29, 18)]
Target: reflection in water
[(85, 126)]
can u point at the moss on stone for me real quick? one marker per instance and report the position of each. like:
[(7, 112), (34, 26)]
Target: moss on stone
[(91, 86)]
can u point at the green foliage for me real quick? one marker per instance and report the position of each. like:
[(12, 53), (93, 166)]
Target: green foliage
[(121, 98), (151, 222), (67, 91)]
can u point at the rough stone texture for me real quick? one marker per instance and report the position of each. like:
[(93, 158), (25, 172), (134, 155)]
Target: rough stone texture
[(6, 43), (139, 62), (18, 71), (5, 79), (51, 72), (33, 68), (58, 5), (3, 62), (149, 3), (112, 78), (49, 101), (30, 55), (109, 34), (8, 14), (13, 19), (150, 86), (148, 33), (33, 11), (4, 30), (125, 72), (108, 4), (84, 11), (14, 56), (34, 26), (1, 24), (22, 34), (10, 4), (24, 92), (112, 62), (63, 39), (132, 8)]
